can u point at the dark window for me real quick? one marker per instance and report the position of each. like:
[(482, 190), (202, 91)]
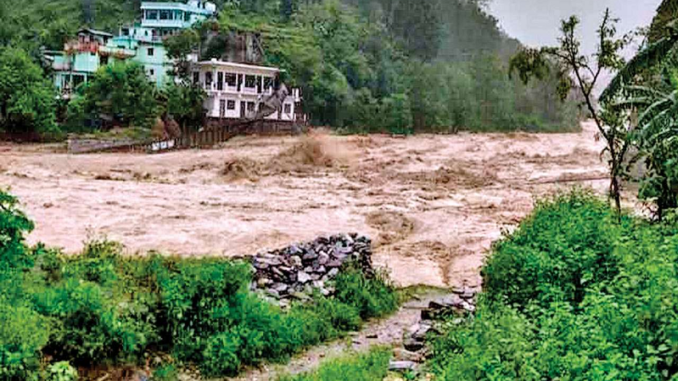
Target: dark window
[(150, 51), (187, 16), (222, 108), (231, 79), (250, 81), (288, 108), (268, 82), (152, 15), (208, 79), (196, 77), (77, 80), (250, 106), (165, 15), (103, 60), (220, 81), (231, 105), (152, 72), (92, 53), (125, 32)]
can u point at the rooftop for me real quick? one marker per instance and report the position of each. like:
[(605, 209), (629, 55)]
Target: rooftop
[(234, 65), (177, 6), (95, 32)]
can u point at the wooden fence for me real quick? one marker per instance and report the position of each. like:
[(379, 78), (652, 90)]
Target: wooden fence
[(216, 132)]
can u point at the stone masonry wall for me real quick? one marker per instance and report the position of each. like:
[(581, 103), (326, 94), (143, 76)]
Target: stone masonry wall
[(295, 272)]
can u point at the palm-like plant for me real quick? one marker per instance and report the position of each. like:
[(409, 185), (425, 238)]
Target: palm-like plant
[(645, 94)]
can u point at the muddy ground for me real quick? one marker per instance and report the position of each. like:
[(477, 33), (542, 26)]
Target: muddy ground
[(433, 204)]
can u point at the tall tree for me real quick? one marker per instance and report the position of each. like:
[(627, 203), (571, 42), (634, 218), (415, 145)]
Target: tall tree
[(585, 72), (27, 98)]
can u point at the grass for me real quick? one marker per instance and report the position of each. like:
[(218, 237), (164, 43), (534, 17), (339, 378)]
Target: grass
[(370, 366)]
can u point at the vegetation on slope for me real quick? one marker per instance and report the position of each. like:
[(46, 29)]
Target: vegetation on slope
[(366, 66), (573, 294), (99, 308)]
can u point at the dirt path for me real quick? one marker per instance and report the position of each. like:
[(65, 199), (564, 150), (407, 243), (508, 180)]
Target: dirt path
[(386, 332), (433, 204)]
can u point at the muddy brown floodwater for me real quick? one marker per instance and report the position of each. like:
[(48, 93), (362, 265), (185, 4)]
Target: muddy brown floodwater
[(433, 204)]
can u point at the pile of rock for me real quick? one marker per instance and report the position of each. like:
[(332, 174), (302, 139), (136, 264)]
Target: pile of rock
[(456, 305), (295, 272)]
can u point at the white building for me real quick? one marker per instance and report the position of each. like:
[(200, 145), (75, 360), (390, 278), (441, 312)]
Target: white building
[(241, 91)]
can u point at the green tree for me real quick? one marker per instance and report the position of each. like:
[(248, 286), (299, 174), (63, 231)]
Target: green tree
[(586, 72), (121, 94), (27, 97), (185, 104), (179, 46)]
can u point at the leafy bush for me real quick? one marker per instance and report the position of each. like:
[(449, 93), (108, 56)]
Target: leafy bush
[(165, 373), (372, 297), (572, 295), (556, 253), (370, 366), (23, 333), (13, 225), (27, 98), (121, 91), (62, 371)]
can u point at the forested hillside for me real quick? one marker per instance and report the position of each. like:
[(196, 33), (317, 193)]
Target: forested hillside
[(377, 65)]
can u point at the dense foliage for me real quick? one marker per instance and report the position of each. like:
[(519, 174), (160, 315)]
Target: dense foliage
[(376, 65), (572, 295), (120, 94), (642, 100), (27, 105), (382, 65), (101, 308)]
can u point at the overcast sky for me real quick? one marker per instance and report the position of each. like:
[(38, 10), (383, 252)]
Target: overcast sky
[(537, 22)]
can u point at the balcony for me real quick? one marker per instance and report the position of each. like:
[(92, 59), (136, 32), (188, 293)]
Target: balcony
[(175, 24), (117, 52)]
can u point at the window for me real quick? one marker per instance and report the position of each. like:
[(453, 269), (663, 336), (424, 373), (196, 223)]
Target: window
[(196, 77), (231, 79), (220, 81), (288, 108), (152, 15), (268, 82), (125, 32), (231, 105), (187, 16), (250, 81), (222, 108), (208, 80), (103, 60), (250, 106), (92, 54), (152, 72), (165, 15), (77, 80), (150, 52)]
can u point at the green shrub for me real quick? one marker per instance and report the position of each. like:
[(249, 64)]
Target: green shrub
[(23, 333), (62, 371), (563, 247), (165, 373), (572, 295), (372, 297), (13, 225), (371, 366)]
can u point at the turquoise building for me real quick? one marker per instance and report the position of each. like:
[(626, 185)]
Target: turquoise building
[(141, 42)]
